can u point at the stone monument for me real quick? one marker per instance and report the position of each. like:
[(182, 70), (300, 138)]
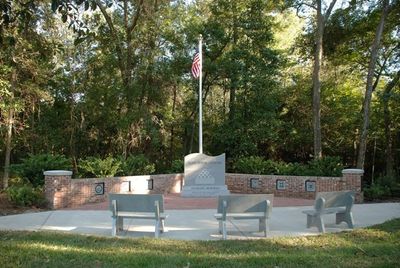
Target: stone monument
[(204, 176)]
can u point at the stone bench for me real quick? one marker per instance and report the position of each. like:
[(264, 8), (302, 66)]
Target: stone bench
[(339, 203), (243, 207), (137, 206)]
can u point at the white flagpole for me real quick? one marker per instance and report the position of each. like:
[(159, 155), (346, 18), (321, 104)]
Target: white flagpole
[(201, 96)]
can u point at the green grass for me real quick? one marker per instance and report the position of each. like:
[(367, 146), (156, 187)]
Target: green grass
[(377, 246)]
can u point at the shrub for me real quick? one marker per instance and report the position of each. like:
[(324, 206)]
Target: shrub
[(294, 169), (376, 192), (177, 166), (26, 195), (100, 168), (327, 166), (387, 181), (250, 165), (384, 187), (33, 166), (137, 165)]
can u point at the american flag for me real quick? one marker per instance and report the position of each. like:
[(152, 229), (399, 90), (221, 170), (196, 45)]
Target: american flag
[(196, 65)]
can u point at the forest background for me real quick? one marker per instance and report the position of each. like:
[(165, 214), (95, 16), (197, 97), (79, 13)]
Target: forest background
[(284, 82)]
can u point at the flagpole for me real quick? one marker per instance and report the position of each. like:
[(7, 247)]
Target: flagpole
[(201, 96)]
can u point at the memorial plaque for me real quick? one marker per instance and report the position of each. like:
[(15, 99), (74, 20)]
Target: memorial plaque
[(204, 176), (280, 184), (99, 188), (254, 183), (310, 186)]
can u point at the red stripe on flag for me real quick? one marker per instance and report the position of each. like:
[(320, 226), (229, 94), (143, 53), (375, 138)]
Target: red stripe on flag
[(196, 65)]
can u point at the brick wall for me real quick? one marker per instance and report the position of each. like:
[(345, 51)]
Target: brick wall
[(61, 191), (294, 186)]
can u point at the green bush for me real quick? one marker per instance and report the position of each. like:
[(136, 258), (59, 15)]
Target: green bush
[(250, 165), (376, 192), (177, 166), (293, 169), (33, 166), (26, 196), (137, 165), (100, 168), (387, 181), (327, 166), (384, 187)]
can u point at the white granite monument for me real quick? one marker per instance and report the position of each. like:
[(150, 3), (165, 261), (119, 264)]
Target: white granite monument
[(204, 176)]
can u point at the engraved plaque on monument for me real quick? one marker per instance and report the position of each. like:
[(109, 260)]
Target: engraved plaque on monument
[(204, 176)]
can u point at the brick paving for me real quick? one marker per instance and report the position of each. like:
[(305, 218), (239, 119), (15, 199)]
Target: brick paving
[(175, 201)]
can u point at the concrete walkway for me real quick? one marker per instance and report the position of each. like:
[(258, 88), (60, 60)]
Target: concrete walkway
[(194, 224)]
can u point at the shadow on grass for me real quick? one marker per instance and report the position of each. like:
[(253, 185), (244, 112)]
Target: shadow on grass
[(374, 246)]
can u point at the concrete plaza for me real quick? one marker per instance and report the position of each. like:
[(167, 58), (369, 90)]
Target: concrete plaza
[(194, 224)]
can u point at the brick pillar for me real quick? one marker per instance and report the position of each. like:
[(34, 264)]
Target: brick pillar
[(57, 187), (352, 181)]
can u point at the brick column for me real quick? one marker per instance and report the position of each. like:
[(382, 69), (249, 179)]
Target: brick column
[(57, 187), (352, 181)]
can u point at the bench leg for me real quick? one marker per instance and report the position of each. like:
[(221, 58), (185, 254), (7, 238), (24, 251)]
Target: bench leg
[(263, 226), (114, 227), (157, 229), (223, 229), (320, 224), (345, 217), (317, 221), (162, 230), (120, 224)]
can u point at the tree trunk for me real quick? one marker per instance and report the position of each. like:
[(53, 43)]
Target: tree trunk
[(10, 124), (388, 125), (317, 84), (369, 86), (171, 142), (233, 76), (321, 19)]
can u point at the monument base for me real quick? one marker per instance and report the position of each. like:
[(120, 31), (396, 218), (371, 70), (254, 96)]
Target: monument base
[(204, 190)]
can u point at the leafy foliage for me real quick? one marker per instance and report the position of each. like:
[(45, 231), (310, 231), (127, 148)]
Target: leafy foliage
[(252, 165), (376, 192), (26, 195), (98, 167), (31, 168), (81, 85), (383, 187), (177, 166), (136, 165), (326, 166)]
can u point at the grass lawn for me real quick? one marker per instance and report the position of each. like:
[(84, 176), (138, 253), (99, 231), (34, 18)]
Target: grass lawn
[(377, 246)]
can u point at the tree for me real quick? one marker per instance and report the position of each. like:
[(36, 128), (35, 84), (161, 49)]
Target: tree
[(350, 33), (388, 124), (239, 78), (370, 85), (320, 22), (24, 59)]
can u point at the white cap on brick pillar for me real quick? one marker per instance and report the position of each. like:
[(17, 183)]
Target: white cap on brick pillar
[(57, 173), (352, 171)]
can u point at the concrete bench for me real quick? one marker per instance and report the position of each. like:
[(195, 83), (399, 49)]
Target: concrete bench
[(339, 203), (137, 206), (243, 207)]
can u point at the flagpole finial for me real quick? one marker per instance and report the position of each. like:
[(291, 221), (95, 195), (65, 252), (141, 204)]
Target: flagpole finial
[(200, 37)]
